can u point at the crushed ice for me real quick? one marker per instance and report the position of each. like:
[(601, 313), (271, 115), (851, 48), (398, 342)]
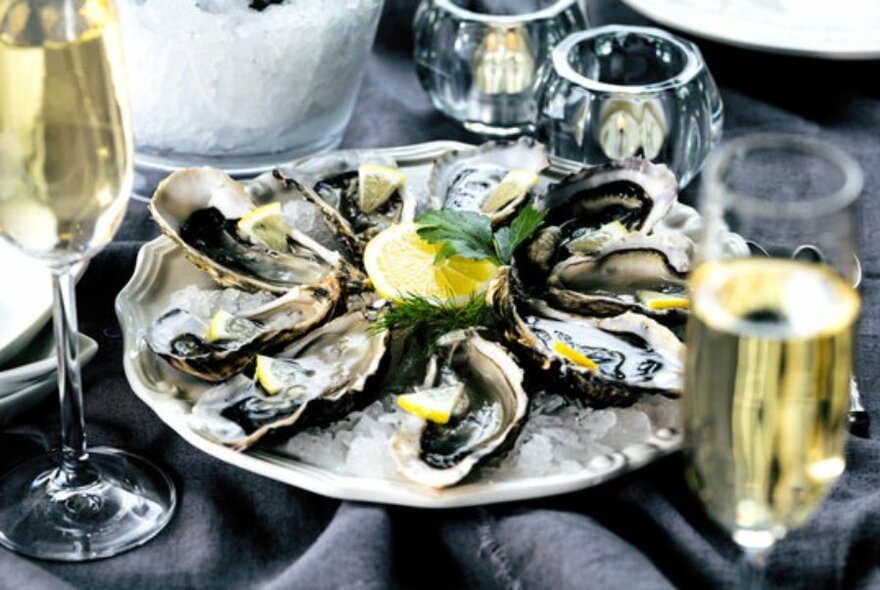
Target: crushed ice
[(560, 436), (204, 303)]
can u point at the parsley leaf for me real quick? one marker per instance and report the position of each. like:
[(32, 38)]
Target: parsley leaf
[(508, 239), (464, 233), (469, 234)]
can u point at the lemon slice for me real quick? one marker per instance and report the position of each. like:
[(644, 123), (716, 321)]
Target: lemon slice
[(275, 375), (513, 186), (376, 184), (400, 263), (593, 240), (266, 225), (574, 356), (225, 326), (437, 404), (658, 300)]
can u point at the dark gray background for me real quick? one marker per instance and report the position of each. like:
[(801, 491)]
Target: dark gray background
[(235, 529)]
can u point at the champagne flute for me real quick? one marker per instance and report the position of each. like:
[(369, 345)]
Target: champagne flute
[(65, 178), (770, 336)]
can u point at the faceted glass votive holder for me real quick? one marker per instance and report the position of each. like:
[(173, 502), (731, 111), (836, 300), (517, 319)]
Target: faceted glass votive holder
[(478, 59), (619, 91)]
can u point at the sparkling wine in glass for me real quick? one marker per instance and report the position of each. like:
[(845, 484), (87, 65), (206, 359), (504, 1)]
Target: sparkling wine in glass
[(770, 338), (65, 178)]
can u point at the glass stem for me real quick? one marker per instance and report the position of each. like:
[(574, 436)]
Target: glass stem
[(753, 568), (74, 468)]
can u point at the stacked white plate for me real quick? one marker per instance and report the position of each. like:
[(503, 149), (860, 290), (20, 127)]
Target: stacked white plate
[(27, 347)]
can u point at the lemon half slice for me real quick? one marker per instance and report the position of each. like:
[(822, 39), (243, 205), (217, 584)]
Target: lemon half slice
[(266, 225), (400, 263), (574, 356), (376, 184), (513, 186), (436, 404)]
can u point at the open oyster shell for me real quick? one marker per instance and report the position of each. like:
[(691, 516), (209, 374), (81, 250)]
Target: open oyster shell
[(199, 207), (334, 179), (464, 179), (181, 338), (328, 375), (634, 191), (612, 281), (634, 353), (440, 455)]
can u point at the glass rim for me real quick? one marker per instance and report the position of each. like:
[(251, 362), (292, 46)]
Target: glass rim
[(694, 63), (716, 191), (545, 13)]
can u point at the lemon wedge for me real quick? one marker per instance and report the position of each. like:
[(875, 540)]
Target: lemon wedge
[(436, 404), (225, 326), (400, 263), (658, 300), (266, 225), (275, 375), (593, 240), (514, 185), (574, 356), (376, 184)]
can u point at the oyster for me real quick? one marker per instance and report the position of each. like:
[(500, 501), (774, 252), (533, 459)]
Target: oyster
[(633, 353), (464, 179), (624, 276), (325, 375), (335, 179), (495, 404), (632, 192), (199, 209), (304, 210), (181, 338)]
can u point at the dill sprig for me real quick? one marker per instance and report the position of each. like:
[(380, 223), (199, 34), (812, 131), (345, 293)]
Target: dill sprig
[(434, 317)]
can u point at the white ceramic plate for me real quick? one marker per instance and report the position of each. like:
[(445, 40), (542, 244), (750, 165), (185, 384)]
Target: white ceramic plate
[(162, 269), (16, 402), (846, 29), (25, 302), (36, 361)]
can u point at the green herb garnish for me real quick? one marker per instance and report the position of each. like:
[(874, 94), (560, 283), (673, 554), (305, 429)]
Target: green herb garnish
[(434, 317), (469, 234)]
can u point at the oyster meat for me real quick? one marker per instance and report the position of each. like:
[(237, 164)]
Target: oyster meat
[(464, 179), (494, 406), (633, 354), (199, 208), (324, 375), (622, 275), (181, 338)]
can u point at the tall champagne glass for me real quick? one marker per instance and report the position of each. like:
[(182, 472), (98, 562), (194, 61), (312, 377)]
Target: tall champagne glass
[(65, 177), (770, 337)]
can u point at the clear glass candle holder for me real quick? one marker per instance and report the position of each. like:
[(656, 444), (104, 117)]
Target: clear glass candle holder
[(620, 91), (478, 59)]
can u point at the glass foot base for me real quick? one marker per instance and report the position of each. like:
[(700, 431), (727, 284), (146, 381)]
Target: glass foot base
[(129, 502)]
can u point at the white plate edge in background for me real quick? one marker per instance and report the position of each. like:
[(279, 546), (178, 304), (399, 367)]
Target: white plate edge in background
[(783, 36)]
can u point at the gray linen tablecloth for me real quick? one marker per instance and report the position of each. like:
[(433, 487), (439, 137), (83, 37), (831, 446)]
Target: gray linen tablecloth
[(234, 529)]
